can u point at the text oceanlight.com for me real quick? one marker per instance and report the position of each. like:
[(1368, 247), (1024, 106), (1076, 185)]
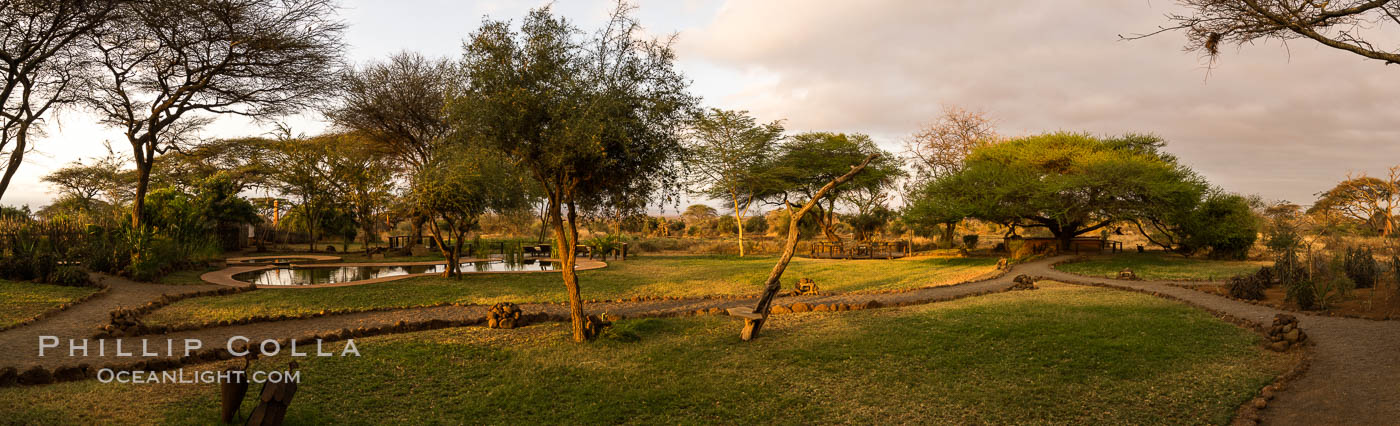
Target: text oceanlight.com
[(108, 375)]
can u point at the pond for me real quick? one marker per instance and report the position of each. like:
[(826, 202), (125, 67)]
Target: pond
[(272, 261), (308, 275)]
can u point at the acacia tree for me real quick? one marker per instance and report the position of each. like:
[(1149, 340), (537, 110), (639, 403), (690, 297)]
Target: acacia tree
[(243, 161), (102, 181), (795, 214), (729, 155), (1347, 25), (1366, 199), (592, 119), (1070, 183), (304, 174), (400, 105), (460, 186), (43, 66), (362, 178), (937, 151), (807, 161), (168, 66)]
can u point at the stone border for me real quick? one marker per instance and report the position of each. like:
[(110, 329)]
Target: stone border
[(144, 330), (1077, 258), (102, 290), (1285, 307), (224, 276), (243, 261), (125, 322), (1249, 412), (36, 375)]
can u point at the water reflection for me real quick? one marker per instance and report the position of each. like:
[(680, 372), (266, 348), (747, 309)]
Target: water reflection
[(307, 275)]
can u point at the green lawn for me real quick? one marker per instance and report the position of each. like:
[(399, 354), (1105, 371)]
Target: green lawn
[(1161, 266), (1062, 354), (23, 300), (641, 276)]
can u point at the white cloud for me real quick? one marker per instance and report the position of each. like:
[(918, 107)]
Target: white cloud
[(1281, 123)]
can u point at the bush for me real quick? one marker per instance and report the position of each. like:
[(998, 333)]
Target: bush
[(1266, 277), (70, 276), (1362, 268), (1302, 294), (756, 225), (970, 241), (1248, 287)]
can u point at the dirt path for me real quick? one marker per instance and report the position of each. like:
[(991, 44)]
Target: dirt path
[(82, 320), (1354, 379)]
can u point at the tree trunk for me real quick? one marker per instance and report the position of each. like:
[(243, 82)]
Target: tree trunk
[(827, 222), (739, 219), (948, 229), (450, 254), (16, 157), (566, 237), (143, 178), (1066, 239)]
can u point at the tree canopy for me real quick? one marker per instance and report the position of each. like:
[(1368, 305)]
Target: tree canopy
[(596, 120), (1346, 25), (806, 162), (729, 155), (1067, 183)]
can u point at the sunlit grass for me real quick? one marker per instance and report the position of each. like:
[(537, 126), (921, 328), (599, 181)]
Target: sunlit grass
[(1161, 266), (642, 276), (22, 300), (1062, 354)]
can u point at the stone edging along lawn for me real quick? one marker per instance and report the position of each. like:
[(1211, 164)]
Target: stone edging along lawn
[(1284, 307), (102, 290), (1251, 410), (1083, 257), (38, 375), (130, 325)]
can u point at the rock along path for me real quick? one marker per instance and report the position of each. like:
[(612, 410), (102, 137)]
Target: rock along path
[(1354, 377)]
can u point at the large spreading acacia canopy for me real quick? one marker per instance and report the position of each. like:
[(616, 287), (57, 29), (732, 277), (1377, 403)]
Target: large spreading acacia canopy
[(1069, 183)]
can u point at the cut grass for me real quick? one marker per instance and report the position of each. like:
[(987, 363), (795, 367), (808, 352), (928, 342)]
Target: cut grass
[(22, 301), (1062, 354), (642, 276), (1161, 266)]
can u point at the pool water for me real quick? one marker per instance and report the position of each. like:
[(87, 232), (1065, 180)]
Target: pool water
[(273, 261), (308, 275)]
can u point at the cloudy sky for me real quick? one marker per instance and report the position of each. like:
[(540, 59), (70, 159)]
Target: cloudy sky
[(1281, 121)]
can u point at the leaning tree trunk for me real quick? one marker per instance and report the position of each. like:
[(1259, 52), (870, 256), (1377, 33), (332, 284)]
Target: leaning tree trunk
[(774, 284), (16, 156)]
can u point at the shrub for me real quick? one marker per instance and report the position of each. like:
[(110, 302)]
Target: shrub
[(70, 276), (1248, 287), (1266, 277), (1362, 268), (1302, 294), (970, 241)]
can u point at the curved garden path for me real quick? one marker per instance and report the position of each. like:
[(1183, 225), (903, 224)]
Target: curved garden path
[(1354, 377)]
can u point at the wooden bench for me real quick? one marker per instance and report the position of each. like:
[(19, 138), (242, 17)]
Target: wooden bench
[(750, 318)]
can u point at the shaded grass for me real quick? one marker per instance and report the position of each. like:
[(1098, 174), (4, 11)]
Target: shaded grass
[(1063, 354), (642, 276), (22, 300), (1161, 266)]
